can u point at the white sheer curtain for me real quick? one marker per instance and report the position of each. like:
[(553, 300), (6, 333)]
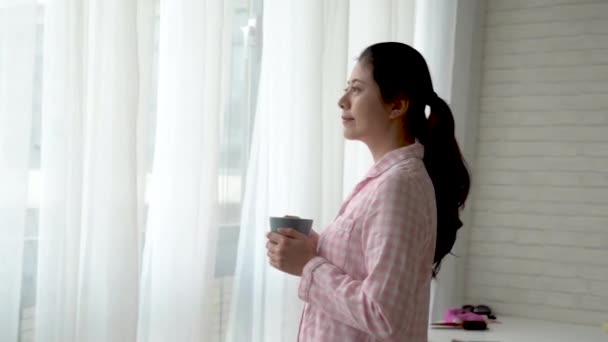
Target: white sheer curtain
[(17, 41), (295, 164), (97, 111), (289, 171), (88, 242), (181, 238), (62, 162)]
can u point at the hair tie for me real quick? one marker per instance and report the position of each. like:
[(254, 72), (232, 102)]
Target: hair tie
[(431, 100)]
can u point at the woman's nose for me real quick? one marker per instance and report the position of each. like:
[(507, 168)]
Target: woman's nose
[(342, 102)]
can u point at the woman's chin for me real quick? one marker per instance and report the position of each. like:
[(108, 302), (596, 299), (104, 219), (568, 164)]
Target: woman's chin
[(349, 132), (348, 135)]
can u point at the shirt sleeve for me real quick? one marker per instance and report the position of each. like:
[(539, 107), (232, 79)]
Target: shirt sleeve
[(397, 244)]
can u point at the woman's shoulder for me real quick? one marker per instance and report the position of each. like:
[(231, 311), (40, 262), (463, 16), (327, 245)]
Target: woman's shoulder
[(406, 174), (402, 184)]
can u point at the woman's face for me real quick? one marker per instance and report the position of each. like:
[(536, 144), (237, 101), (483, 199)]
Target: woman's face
[(365, 116)]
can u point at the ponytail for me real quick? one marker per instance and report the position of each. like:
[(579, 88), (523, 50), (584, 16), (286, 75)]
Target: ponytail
[(447, 169)]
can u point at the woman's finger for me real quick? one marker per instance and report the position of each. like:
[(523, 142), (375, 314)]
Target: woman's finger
[(272, 247), (272, 258), (276, 238), (269, 244), (292, 233)]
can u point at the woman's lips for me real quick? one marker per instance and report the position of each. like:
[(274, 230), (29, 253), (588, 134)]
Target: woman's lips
[(346, 119)]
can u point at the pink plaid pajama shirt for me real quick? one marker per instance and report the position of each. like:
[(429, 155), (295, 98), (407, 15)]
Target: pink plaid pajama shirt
[(371, 278)]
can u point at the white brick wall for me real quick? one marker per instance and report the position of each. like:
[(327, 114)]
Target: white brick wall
[(538, 240)]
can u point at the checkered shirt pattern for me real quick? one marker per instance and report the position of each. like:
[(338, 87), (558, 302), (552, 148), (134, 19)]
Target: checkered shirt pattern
[(371, 278)]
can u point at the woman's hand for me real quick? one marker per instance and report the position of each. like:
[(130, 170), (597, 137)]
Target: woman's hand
[(289, 250)]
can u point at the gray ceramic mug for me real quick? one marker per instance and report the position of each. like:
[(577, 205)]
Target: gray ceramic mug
[(302, 225)]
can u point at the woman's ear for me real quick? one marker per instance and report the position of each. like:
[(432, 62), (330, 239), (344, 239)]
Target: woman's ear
[(399, 108)]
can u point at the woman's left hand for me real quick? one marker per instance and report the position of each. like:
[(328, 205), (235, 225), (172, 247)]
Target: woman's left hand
[(289, 250)]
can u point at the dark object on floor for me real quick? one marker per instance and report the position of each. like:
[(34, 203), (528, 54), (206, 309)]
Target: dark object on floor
[(474, 325)]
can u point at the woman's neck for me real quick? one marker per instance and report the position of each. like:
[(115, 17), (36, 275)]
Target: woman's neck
[(380, 147)]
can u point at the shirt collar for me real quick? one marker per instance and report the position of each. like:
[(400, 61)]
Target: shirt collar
[(415, 150)]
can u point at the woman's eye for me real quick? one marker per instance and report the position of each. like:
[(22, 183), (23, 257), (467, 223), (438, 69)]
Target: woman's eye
[(353, 89)]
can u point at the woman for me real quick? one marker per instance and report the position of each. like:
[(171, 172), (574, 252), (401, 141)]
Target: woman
[(367, 277)]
